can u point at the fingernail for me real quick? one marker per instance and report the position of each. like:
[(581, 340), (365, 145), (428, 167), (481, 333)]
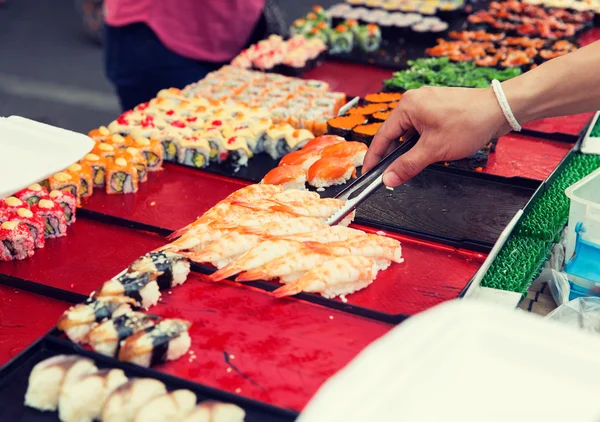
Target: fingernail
[(391, 179)]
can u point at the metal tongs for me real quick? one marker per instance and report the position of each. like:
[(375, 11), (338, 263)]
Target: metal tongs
[(370, 182)]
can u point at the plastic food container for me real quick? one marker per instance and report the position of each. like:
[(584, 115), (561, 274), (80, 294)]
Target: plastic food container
[(585, 209), (591, 140)]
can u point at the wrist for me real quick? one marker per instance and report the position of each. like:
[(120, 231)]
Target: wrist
[(523, 100)]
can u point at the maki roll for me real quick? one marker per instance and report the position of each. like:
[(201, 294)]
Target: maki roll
[(194, 152), (381, 116), (122, 125), (152, 150), (343, 125), (330, 172), (383, 97), (105, 150), (216, 143), (296, 139), (173, 406), (34, 222), (238, 151), (106, 337), (167, 340), (136, 157), (12, 204), (85, 173), (170, 140), (300, 27), (365, 133), (83, 399), (67, 202), (55, 223), (368, 110), (321, 15), (51, 375), (121, 176), (16, 241), (290, 177), (100, 134), (118, 142), (77, 321), (275, 144), (341, 40), (32, 194), (98, 165), (369, 37), (213, 411), (246, 134), (66, 182), (126, 401), (171, 269), (141, 287)]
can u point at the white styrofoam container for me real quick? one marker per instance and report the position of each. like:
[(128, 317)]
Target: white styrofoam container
[(31, 151), (591, 145), (467, 361), (585, 208)]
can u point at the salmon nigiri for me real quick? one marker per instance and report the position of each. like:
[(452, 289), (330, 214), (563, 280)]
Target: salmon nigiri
[(301, 158), (290, 177), (353, 151), (322, 142), (330, 172)]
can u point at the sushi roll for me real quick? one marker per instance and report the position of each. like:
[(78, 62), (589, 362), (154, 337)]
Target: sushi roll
[(98, 165), (171, 269), (238, 151), (67, 202), (300, 27), (169, 407), (12, 204), (141, 287), (381, 116), (341, 40), (369, 37), (51, 375), (105, 150), (32, 194), (66, 182), (303, 158), (275, 143), (85, 173), (137, 158), (118, 142), (214, 411), (216, 143), (343, 125), (383, 97), (55, 223), (125, 402), (353, 151), (169, 139), (77, 321), (246, 134), (16, 241), (194, 152), (167, 340), (106, 337), (152, 150), (365, 133), (83, 399), (290, 177), (330, 172), (34, 222), (368, 110), (100, 134), (121, 176), (122, 125), (296, 139)]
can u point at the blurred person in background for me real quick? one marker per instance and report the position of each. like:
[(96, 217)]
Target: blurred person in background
[(154, 44)]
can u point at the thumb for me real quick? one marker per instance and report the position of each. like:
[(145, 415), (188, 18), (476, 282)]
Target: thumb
[(408, 165)]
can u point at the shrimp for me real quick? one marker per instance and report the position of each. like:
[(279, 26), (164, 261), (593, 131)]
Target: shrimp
[(287, 268), (329, 234), (292, 195), (255, 192), (330, 172), (322, 142), (289, 177), (195, 239), (321, 208), (353, 151), (254, 218), (259, 255), (285, 228), (371, 245), (223, 250), (338, 276)]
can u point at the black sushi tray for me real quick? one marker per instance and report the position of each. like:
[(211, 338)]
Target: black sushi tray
[(14, 378)]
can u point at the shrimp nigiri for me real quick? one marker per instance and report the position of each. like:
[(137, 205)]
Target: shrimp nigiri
[(222, 251), (322, 208), (255, 217), (338, 276), (353, 151), (322, 142), (370, 245), (286, 228), (289, 177), (329, 234), (302, 158), (195, 239), (330, 172)]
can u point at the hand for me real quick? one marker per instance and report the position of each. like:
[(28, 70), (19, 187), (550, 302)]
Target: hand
[(453, 123)]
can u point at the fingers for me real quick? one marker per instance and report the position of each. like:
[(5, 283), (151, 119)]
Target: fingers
[(386, 138), (408, 165)]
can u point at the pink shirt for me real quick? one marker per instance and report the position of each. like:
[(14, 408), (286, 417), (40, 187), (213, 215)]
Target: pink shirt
[(210, 30)]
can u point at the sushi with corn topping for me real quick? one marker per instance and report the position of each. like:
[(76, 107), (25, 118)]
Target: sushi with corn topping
[(105, 150), (85, 173), (66, 182), (171, 269), (32, 194), (194, 152), (55, 223), (77, 321), (16, 241), (141, 287), (137, 158), (67, 202), (167, 340), (152, 150), (98, 165), (216, 143), (121, 177)]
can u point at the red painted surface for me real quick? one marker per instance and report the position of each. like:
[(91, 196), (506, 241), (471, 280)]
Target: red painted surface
[(589, 37), (170, 199), (526, 157), (353, 79), (280, 351), (571, 125), (24, 317), (90, 254)]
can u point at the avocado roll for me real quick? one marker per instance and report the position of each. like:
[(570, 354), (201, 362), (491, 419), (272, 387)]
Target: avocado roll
[(369, 37), (121, 176), (238, 151), (98, 165), (341, 40), (216, 143), (194, 152)]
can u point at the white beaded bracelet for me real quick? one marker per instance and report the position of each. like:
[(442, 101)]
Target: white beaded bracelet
[(506, 110)]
